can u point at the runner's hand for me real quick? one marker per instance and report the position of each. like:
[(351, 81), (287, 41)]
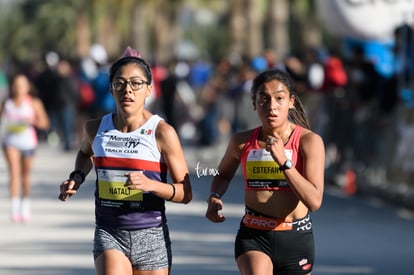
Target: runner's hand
[(67, 189), (214, 206)]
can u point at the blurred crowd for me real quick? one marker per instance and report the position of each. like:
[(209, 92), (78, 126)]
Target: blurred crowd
[(352, 106)]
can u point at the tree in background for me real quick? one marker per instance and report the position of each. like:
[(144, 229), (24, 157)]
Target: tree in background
[(70, 27)]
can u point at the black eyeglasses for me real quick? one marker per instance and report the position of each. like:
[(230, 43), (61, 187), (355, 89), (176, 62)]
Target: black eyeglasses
[(135, 84)]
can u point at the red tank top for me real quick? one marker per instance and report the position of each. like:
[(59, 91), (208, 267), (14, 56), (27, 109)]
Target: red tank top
[(260, 171)]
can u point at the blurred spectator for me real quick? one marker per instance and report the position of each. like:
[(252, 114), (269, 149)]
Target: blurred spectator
[(59, 92), (168, 91), (297, 71), (159, 72), (363, 93), (65, 105), (178, 101), (404, 41), (47, 80), (335, 74), (188, 110), (216, 105), (272, 59), (362, 76), (244, 114), (338, 110), (199, 74), (313, 97), (94, 70), (47, 83)]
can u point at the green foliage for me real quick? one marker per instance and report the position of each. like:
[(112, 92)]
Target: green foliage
[(58, 21), (28, 28), (33, 27)]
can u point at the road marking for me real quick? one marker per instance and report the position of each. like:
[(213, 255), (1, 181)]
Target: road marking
[(335, 269)]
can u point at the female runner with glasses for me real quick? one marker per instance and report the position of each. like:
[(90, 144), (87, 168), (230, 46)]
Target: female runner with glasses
[(131, 151)]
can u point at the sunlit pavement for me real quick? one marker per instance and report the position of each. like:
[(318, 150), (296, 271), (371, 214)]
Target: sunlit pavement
[(58, 239)]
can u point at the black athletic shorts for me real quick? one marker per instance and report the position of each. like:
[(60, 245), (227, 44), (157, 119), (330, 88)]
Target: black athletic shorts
[(291, 251)]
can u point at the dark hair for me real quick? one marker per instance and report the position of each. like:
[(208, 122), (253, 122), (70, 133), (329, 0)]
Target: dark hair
[(297, 114), (130, 59), (12, 78)]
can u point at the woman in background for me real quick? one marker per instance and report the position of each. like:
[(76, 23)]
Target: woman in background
[(20, 115)]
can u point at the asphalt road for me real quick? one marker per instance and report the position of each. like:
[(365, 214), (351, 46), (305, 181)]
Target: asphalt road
[(354, 235)]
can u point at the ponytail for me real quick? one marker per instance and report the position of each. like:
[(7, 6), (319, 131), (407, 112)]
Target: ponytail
[(297, 114)]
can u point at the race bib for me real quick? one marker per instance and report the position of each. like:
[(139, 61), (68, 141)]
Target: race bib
[(111, 186), (16, 128), (262, 172)]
